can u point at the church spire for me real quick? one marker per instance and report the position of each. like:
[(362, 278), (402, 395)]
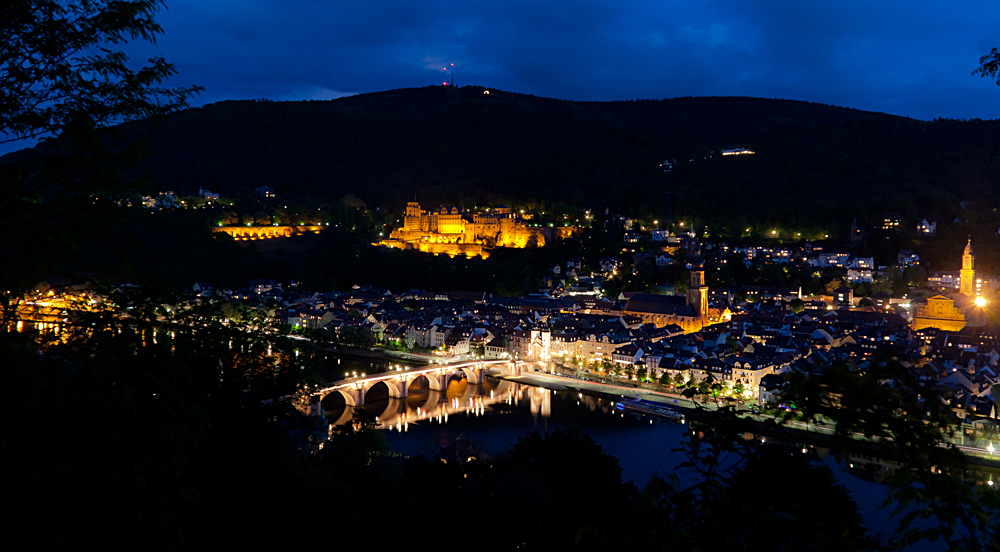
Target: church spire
[(968, 272)]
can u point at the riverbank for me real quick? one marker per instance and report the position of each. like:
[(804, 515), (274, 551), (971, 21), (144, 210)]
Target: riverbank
[(820, 435), (607, 390), (380, 354)]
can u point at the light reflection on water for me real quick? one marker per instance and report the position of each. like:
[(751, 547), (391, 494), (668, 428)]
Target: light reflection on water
[(495, 414)]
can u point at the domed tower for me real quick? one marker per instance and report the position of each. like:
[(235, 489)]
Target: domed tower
[(968, 273)]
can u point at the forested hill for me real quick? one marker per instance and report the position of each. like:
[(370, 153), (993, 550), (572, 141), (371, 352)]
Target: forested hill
[(814, 163)]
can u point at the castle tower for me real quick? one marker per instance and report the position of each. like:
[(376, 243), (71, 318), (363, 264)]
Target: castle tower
[(968, 273), (412, 219), (697, 291)]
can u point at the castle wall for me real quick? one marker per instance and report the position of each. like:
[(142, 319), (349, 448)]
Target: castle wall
[(265, 232), (453, 249)]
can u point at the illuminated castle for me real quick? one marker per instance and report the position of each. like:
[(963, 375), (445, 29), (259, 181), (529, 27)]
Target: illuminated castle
[(452, 232)]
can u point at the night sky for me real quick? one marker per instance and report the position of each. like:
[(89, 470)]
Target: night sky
[(910, 58)]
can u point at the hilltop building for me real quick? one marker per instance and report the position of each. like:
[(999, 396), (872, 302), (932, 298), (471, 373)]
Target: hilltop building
[(858, 234), (207, 194), (453, 232), (954, 311)]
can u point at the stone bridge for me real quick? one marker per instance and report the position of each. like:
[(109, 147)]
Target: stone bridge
[(399, 382), (398, 414)]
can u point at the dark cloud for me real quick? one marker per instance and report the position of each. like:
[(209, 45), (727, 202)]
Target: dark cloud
[(910, 58)]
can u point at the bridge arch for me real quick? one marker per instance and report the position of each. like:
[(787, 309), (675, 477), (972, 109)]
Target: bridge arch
[(472, 374), (437, 380), (352, 395), (397, 388), (503, 368)]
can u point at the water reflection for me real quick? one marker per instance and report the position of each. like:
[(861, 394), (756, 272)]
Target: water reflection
[(424, 403), (626, 438), (459, 398)]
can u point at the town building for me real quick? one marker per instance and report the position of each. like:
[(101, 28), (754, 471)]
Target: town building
[(907, 258), (891, 220)]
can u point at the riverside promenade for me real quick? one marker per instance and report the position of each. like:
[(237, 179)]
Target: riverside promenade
[(818, 434)]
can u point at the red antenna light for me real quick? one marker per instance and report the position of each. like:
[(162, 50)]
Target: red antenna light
[(445, 69)]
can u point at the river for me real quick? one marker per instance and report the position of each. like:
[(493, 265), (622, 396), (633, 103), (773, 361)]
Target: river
[(495, 414)]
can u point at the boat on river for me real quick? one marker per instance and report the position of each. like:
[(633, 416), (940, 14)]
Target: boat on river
[(650, 408)]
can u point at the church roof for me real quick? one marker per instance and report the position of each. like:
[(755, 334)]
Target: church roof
[(659, 304)]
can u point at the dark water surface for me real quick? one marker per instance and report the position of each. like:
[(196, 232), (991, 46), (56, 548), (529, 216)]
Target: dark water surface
[(495, 414)]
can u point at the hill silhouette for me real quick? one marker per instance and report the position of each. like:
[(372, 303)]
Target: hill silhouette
[(815, 164)]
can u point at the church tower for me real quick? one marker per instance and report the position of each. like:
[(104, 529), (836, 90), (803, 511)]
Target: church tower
[(697, 291), (968, 273)]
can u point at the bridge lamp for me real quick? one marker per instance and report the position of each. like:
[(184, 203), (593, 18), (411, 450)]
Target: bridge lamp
[(980, 301), (990, 448)]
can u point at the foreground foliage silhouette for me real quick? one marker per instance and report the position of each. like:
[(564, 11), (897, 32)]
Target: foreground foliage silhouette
[(63, 79)]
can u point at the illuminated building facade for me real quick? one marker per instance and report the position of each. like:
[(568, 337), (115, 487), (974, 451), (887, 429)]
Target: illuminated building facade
[(955, 312), (940, 312), (266, 232), (689, 311), (453, 232), (968, 272)]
